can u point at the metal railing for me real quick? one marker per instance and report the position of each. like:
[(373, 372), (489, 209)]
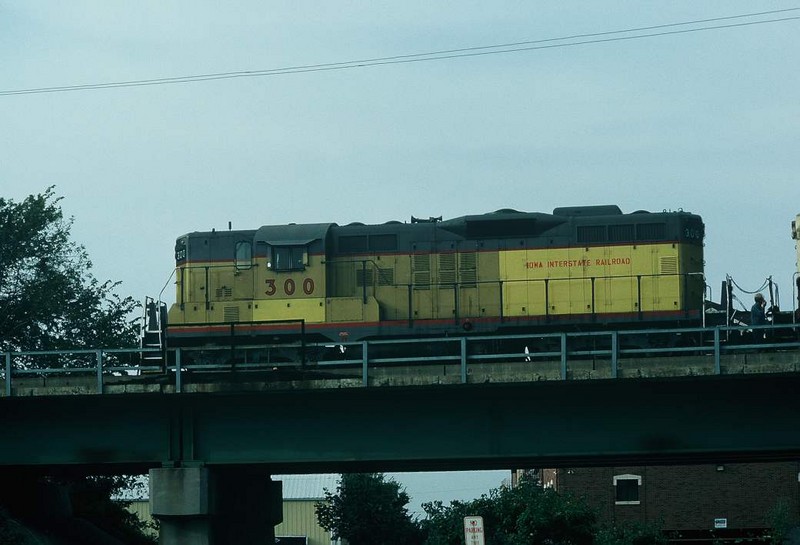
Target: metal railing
[(359, 358)]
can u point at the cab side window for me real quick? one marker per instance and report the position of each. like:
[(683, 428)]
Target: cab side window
[(288, 258), (243, 255)]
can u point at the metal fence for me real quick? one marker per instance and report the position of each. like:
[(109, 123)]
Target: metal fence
[(462, 352)]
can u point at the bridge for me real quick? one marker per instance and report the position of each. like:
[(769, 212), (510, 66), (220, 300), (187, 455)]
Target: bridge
[(202, 435)]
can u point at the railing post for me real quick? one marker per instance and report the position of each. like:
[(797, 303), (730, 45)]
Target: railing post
[(639, 295), (364, 364), (717, 364), (563, 356), (99, 354), (614, 353), (178, 381), (8, 374), (502, 319), (463, 360)]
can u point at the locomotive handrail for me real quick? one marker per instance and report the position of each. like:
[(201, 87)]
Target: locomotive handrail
[(459, 351)]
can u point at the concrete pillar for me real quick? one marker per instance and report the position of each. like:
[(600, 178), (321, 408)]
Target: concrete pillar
[(247, 506), (180, 498), (215, 506)]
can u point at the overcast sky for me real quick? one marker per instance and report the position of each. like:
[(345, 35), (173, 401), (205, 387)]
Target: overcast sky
[(707, 122)]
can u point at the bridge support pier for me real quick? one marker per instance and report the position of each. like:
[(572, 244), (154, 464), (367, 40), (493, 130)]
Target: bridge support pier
[(219, 505)]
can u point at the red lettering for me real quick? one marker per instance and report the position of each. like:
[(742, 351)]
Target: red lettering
[(613, 261)]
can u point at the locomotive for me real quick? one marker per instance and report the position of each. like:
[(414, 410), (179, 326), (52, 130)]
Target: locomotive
[(495, 273)]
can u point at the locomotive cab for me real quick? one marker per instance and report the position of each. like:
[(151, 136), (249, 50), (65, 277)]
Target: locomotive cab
[(248, 285)]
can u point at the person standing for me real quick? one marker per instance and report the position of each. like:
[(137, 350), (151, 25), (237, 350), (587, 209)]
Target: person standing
[(758, 315)]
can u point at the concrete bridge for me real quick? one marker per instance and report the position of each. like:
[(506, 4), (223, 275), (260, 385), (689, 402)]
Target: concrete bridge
[(210, 442)]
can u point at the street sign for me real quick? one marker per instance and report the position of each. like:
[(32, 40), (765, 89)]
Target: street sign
[(473, 531)]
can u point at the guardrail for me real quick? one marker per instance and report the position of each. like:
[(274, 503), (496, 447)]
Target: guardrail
[(461, 352)]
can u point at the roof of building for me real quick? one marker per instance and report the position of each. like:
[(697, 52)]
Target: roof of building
[(295, 487), (307, 487)]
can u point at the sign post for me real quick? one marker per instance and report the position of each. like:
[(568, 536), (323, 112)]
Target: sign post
[(473, 531)]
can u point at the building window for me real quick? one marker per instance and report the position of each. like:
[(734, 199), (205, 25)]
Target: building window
[(627, 489)]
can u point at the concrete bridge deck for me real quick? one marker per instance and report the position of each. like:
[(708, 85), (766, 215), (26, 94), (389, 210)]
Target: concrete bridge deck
[(258, 378)]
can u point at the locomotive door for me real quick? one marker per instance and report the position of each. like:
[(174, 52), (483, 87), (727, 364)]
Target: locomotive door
[(421, 282), (446, 295), (468, 302)]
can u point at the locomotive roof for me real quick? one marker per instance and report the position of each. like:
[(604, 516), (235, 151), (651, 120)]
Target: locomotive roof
[(292, 234), (504, 222)]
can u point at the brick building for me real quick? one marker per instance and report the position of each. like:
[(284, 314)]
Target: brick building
[(694, 501)]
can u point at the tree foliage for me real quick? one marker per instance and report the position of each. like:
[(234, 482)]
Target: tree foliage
[(525, 514), (367, 509), (11, 531), (90, 501), (530, 515), (630, 534), (49, 299), (70, 510)]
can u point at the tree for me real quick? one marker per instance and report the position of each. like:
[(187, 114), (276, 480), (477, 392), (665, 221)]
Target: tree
[(630, 534), (90, 501), (69, 509), (49, 299), (531, 515), (524, 515), (367, 509)]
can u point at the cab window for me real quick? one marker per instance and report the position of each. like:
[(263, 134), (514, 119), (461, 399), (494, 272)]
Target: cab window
[(288, 258), (244, 255)]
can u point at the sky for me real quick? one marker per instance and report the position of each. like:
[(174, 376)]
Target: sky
[(706, 121), (447, 486)]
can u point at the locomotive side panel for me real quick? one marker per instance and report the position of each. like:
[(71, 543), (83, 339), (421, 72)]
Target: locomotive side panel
[(213, 282), (291, 285), (487, 290), (297, 294)]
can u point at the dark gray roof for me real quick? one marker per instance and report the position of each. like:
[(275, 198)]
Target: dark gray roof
[(292, 234)]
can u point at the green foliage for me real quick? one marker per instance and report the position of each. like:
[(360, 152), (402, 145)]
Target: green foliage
[(526, 514), (368, 510), (48, 298), (11, 532), (90, 498), (630, 534), (780, 521)]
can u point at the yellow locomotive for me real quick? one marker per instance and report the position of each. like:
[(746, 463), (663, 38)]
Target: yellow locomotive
[(500, 272)]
